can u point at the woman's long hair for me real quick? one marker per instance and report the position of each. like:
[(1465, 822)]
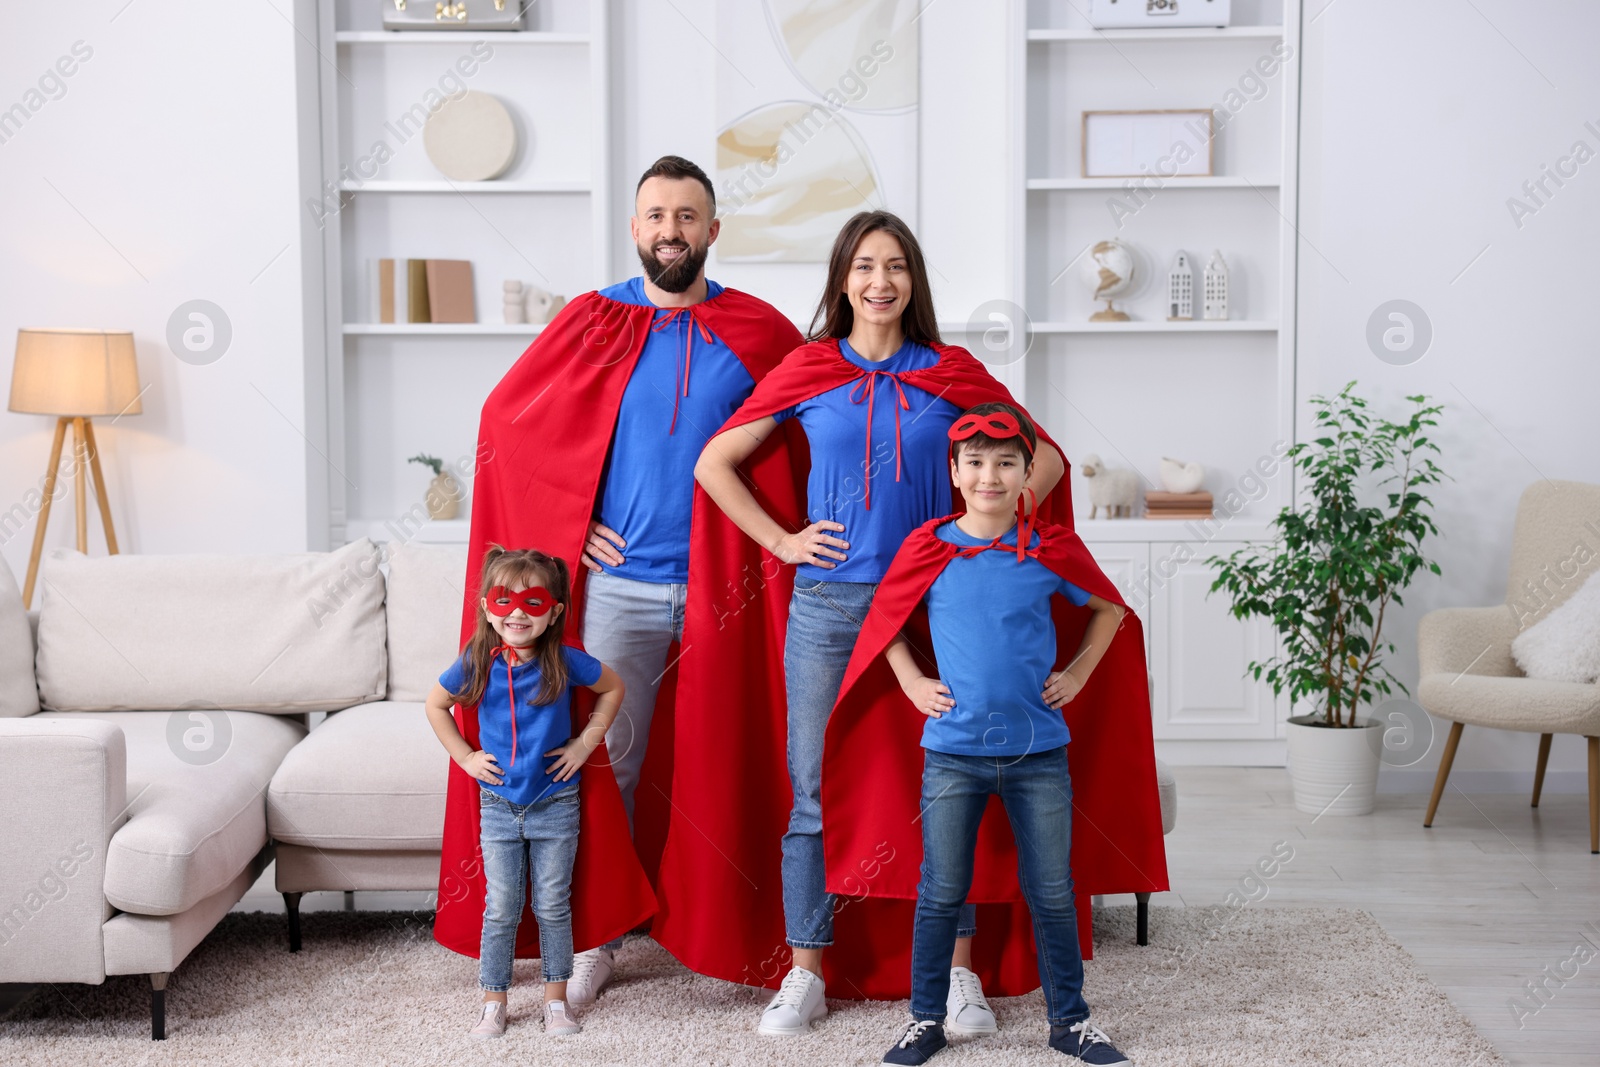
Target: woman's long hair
[(837, 317), (519, 568)]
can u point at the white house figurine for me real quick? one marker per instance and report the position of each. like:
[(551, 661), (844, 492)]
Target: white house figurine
[(1216, 287), (1180, 289)]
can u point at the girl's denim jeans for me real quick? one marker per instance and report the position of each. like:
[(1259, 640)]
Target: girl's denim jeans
[(523, 842)]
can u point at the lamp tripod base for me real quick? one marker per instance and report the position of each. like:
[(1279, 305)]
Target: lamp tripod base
[(85, 460)]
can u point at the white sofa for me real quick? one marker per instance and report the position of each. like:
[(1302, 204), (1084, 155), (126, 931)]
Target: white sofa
[(154, 743)]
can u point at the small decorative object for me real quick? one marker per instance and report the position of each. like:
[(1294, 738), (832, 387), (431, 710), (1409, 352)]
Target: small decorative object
[(470, 138), (1114, 490), (1180, 477), (516, 308), (1148, 14), (543, 305), (1112, 268), (1366, 509), (1142, 144), (444, 492), (1162, 505), (1180, 289), (454, 14), (1216, 287)]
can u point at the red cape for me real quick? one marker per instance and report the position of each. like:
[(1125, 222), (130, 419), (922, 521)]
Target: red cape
[(719, 883), (872, 773), (542, 443)]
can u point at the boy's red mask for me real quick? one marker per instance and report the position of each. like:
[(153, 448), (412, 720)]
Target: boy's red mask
[(535, 601), (997, 424)]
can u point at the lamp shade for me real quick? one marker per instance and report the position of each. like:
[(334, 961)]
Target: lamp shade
[(75, 372)]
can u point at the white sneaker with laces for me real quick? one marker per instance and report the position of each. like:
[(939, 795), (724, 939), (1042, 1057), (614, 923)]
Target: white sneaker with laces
[(798, 1003), (492, 1023), (967, 1013), (558, 1021), (591, 970)]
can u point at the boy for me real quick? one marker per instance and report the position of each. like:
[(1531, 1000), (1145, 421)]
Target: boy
[(994, 724)]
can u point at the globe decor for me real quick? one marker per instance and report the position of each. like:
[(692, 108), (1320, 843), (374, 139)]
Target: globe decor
[(1112, 269), (1326, 581)]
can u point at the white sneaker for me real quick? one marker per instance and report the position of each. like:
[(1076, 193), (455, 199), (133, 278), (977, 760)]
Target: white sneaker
[(799, 1003), (492, 1023), (558, 1021), (591, 970), (967, 1013)]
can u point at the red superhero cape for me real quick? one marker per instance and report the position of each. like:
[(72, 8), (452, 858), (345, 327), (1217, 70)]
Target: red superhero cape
[(542, 443), (872, 773), (720, 886)]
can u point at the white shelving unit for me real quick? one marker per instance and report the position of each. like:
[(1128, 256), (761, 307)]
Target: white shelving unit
[(393, 390), (1221, 392)]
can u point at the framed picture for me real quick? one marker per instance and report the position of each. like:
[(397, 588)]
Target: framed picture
[(1136, 144)]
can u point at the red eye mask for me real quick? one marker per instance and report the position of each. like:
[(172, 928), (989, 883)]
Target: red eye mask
[(998, 424), (535, 601)]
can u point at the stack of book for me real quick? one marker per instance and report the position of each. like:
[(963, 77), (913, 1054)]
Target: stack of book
[(425, 290), (1159, 505)]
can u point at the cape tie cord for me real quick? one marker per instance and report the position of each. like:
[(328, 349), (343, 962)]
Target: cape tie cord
[(865, 389), (682, 389), (511, 654), (1025, 523)]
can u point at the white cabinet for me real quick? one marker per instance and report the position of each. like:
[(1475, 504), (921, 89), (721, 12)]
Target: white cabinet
[(1199, 651)]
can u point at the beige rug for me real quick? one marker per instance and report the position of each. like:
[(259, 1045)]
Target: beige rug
[(1239, 988)]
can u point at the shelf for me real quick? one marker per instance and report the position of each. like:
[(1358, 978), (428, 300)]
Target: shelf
[(1175, 33), (443, 329), (1157, 326), (1216, 528), (1219, 181), (456, 36), (446, 186), (432, 532)]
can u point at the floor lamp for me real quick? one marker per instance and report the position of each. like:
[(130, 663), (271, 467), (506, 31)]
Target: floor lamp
[(74, 375)]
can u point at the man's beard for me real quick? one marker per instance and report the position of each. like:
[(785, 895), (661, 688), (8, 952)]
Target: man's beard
[(677, 276)]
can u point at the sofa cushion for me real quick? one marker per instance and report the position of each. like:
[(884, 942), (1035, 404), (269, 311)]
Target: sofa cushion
[(281, 633), (423, 608), (371, 777), (197, 811), (19, 695)]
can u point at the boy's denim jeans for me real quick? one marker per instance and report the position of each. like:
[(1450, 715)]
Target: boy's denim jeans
[(1037, 793), (824, 620), (537, 840)]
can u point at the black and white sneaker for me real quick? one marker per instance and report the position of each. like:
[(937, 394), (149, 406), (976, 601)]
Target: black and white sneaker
[(918, 1043), (1088, 1044)]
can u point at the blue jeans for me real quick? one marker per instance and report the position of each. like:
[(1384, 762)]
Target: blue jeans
[(1037, 793), (538, 840), (824, 620)]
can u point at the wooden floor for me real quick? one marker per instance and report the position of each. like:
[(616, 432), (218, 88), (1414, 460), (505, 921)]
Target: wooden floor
[(1488, 899)]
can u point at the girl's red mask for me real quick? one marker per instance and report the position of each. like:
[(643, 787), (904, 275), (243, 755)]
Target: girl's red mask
[(536, 601)]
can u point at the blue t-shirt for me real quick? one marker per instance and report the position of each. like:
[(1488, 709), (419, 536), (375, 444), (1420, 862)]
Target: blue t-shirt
[(647, 489), (540, 727), (995, 644), (836, 429)]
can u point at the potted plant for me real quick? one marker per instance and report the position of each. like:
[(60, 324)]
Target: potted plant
[(444, 493), (1326, 580)]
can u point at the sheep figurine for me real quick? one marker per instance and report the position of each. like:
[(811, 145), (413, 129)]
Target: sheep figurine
[(1114, 490)]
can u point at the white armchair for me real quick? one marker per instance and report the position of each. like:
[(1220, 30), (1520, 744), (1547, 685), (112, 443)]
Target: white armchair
[(1468, 674)]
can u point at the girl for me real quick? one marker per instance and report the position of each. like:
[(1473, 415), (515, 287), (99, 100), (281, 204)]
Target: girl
[(875, 391), (519, 674)]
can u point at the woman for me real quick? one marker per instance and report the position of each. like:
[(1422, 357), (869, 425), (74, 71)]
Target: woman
[(875, 392)]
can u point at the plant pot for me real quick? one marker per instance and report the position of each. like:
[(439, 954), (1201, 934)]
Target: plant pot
[(444, 497), (1333, 770)]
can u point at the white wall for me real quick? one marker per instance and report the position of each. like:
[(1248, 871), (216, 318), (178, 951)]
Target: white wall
[(163, 170), (1418, 122)]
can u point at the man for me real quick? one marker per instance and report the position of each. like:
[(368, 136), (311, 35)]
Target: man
[(593, 435)]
